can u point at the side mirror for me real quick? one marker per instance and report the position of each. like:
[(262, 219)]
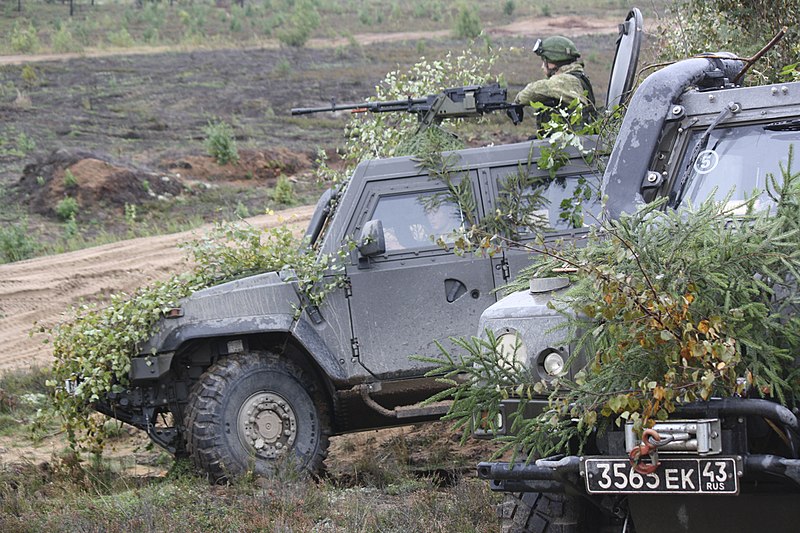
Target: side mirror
[(372, 241)]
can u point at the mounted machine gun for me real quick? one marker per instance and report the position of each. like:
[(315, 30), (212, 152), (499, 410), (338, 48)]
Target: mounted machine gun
[(458, 102)]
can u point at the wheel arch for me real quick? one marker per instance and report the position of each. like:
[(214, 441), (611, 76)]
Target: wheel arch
[(294, 339)]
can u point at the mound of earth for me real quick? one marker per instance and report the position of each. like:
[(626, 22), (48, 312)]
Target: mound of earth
[(262, 165), (93, 180), (98, 183)]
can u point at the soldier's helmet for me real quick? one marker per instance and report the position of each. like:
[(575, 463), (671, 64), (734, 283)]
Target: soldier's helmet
[(556, 49)]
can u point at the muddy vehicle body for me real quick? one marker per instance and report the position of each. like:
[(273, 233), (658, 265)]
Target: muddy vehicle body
[(733, 463), (236, 377), (245, 378)]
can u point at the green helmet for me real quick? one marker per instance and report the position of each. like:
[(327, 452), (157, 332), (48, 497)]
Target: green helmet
[(556, 49)]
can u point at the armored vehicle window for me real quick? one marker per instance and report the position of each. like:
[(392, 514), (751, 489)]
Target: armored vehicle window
[(564, 203), (417, 220), (738, 159)]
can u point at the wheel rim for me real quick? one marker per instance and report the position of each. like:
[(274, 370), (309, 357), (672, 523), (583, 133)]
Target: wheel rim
[(267, 425)]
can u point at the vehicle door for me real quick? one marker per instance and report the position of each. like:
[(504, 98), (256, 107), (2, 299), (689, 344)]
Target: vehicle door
[(548, 209), (418, 291)]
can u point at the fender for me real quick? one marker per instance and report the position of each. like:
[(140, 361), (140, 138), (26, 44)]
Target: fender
[(153, 367)]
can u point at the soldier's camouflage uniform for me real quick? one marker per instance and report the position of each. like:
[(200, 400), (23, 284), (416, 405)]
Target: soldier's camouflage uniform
[(559, 90)]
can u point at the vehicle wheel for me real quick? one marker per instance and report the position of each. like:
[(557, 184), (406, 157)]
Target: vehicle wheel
[(536, 512), (252, 412)]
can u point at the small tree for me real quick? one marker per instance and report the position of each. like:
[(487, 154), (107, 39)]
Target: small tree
[(220, 142), (300, 25), (468, 25)]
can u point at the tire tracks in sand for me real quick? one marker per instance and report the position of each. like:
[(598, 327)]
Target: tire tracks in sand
[(43, 290)]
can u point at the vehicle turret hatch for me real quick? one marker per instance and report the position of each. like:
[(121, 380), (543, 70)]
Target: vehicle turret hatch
[(626, 59)]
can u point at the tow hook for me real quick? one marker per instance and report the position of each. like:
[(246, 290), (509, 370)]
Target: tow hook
[(651, 442)]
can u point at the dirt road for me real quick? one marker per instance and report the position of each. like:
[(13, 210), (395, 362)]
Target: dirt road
[(43, 290), (568, 25)]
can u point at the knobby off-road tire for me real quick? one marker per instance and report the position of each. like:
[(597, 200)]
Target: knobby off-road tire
[(535, 512), (253, 412)]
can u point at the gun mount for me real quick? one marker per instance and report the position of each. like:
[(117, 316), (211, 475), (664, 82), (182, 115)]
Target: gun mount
[(458, 102)]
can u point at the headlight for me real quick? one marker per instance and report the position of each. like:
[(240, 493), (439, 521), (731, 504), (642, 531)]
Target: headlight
[(511, 349), (553, 364)]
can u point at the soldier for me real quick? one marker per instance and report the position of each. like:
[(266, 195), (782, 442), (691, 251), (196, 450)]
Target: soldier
[(565, 81)]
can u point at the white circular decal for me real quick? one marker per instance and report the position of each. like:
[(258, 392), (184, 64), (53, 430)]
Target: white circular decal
[(706, 162)]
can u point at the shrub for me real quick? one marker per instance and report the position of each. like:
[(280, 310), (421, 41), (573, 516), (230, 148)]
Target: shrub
[(29, 76), (120, 38), (508, 7), (468, 25), (67, 208), (283, 193), (70, 181), (63, 41), (24, 38), (241, 210), (220, 142), (300, 25), (16, 243)]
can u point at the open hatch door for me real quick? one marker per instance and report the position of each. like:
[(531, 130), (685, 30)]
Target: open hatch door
[(626, 59)]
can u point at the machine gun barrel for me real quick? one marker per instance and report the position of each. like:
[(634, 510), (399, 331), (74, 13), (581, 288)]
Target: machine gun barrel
[(374, 107)]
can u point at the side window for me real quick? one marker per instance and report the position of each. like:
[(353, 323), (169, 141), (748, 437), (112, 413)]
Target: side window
[(572, 202), (560, 204), (417, 220)]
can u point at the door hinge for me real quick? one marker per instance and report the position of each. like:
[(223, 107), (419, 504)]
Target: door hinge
[(504, 268), (348, 287), (354, 348)]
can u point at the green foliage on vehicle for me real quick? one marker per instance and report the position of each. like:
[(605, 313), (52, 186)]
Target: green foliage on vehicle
[(93, 350), (375, 135), (669, 307)]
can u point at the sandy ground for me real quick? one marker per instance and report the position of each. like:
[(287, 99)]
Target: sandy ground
[(43, 290)]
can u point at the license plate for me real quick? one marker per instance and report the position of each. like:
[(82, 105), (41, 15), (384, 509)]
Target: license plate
[(715, 475)]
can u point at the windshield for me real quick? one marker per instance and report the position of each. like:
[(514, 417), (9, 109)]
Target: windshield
[(738, 159)]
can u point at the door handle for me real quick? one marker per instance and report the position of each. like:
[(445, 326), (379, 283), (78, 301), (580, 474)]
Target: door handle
[(454, 289)]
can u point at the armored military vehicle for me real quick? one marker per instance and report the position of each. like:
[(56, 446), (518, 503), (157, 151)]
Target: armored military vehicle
[(237, 379), (731, 464)]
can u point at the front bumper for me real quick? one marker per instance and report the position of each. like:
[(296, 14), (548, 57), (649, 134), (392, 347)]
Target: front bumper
[(766, 468)]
